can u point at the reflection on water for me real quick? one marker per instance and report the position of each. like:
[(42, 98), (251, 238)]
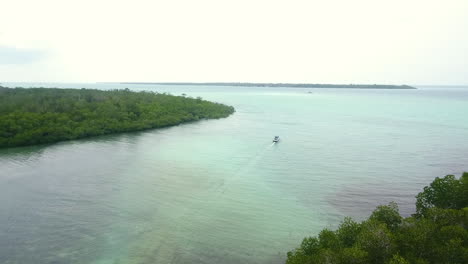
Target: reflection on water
[(218, 191)]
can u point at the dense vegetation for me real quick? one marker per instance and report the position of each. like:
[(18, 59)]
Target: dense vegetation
[(437, 233), (44, 115)]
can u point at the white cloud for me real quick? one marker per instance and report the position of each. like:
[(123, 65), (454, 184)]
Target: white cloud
[(363, 41)]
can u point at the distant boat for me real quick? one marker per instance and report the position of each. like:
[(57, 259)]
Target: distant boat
[(276, 139)]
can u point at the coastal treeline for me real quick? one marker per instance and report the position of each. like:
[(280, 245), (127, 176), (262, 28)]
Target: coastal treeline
[(291, 85), (437, 233), (44, 115)]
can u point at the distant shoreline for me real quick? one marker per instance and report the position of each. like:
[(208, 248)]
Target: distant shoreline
[(292, 85)]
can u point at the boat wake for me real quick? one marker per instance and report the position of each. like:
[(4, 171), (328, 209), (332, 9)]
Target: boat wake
[(243, 169)]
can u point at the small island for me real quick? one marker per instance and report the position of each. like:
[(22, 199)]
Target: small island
[(31, 116), (290, 85)]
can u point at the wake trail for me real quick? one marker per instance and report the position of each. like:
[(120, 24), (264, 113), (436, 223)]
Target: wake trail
[(243, 169)]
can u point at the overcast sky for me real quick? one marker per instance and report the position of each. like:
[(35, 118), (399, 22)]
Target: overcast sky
[(322, 41)]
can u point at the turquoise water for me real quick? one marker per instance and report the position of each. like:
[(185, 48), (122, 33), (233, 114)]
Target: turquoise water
[(219, 191)]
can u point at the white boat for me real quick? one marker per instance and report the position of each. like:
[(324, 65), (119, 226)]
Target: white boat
[(276, 139)]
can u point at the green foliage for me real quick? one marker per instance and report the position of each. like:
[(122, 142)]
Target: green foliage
[(376, 239), (348, 232), (397, 259), (388, 214), (45, 115), (310, 245), (438, 234), (353, 255), (447, 193), (329, 240)]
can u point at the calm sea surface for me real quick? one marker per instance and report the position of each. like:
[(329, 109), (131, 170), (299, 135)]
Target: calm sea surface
[(219, 191)]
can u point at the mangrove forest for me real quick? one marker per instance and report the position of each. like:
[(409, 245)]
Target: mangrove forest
[(435, 234), (31, 116)]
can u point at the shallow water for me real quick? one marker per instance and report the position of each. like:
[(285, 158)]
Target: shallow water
[(218, 191)]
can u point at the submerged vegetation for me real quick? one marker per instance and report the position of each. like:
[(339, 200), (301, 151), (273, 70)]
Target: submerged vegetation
[(44, 115), (437, 233)]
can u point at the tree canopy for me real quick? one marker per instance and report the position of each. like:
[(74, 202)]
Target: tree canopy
[(44, 115), (447, 192), (437, 233)]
